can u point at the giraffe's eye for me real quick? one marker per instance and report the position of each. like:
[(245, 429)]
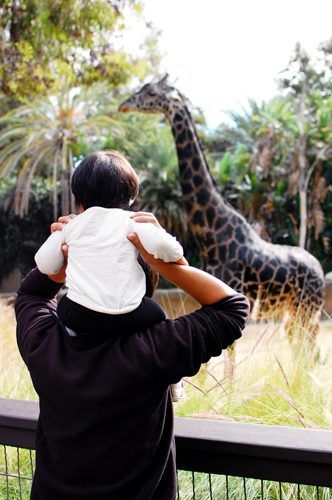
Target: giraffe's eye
[(152, 94)]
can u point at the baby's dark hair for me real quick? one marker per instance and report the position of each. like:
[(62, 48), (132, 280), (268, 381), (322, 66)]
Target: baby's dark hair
[(104, 179)]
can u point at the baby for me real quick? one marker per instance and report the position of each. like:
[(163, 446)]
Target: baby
[(106, 284)]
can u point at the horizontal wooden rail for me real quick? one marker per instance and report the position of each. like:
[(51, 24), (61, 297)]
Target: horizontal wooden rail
[(285, 454)]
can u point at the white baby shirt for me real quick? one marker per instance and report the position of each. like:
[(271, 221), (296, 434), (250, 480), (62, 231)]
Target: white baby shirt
[(102, 272)]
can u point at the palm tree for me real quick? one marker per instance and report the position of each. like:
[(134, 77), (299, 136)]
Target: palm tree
[(42, 137), (313, 145)]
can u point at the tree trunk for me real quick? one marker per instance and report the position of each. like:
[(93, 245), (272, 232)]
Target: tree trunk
[(55, 191), (71, 169), (303, 217)]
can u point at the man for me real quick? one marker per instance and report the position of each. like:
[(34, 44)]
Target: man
[(105, 429)]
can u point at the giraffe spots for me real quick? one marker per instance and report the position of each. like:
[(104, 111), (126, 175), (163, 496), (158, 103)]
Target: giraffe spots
[(253, 290), (233, 246), (209, 239), (236, 284), (227, 276), (274, 263), (198, 219), (198, 180), (196, 149), (257, 262), (182, 137), (188, 206), (187, 189), (250, 275), (203, 197), (293, 263), (196, 163), (212, 260), (210, 214), (220, 222), (250, 256), (177, 117), (233, 266), (266, 274), (239, 235), (185, 152), (222, 250), (241, 254), (186, 174), (281, 275), (179, 126), (190, 135), (234, 219), (228, 232)]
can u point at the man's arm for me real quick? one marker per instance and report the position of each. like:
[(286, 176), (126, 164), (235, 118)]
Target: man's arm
[(181, 346), (33, 306), (203, 287)]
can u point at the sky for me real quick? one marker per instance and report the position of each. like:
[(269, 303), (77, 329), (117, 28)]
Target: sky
[(220, 53)]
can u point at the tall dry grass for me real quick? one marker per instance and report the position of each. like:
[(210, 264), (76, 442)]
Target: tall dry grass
[(15, 382), (274, 382)]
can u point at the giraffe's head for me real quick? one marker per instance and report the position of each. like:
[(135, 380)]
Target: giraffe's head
[(152, 98)]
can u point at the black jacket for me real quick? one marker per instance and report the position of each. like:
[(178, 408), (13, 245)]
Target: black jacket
[(105, 429)]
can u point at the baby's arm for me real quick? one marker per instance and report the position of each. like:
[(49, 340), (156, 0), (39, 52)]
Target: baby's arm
[(49, 258), (156, 240)]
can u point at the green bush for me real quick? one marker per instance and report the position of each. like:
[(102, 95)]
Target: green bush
[(20, 238)]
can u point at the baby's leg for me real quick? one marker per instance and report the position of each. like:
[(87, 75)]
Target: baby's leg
[(84, 320)]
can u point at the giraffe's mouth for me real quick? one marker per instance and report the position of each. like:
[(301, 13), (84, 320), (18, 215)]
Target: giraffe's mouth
[(125, 109), (128, 106)]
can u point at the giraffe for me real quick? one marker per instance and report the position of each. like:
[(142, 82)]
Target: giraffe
[(277, 279)]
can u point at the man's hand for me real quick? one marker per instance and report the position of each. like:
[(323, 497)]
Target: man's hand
[(62, 221), (60, 277)]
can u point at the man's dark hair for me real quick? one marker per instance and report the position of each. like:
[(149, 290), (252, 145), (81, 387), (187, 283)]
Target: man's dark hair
[(104, 179)]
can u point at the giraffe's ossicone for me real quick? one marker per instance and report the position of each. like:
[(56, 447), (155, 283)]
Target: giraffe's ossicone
[(277, 279)]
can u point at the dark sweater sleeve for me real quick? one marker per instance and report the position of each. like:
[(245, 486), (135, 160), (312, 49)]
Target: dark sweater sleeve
[(33, 306), (180, 346)]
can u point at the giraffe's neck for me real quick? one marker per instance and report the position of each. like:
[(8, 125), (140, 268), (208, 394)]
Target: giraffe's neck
[(201, 198)]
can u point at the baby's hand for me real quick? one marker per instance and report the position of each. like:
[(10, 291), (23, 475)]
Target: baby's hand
[(62, 221), (145, 217)]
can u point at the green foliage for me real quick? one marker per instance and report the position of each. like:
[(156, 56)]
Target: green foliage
[(287, 143), (20, 237), (45, 135), (302, 70), (47, 42)]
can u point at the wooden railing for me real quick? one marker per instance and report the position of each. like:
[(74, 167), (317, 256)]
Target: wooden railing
[(282, 454)]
